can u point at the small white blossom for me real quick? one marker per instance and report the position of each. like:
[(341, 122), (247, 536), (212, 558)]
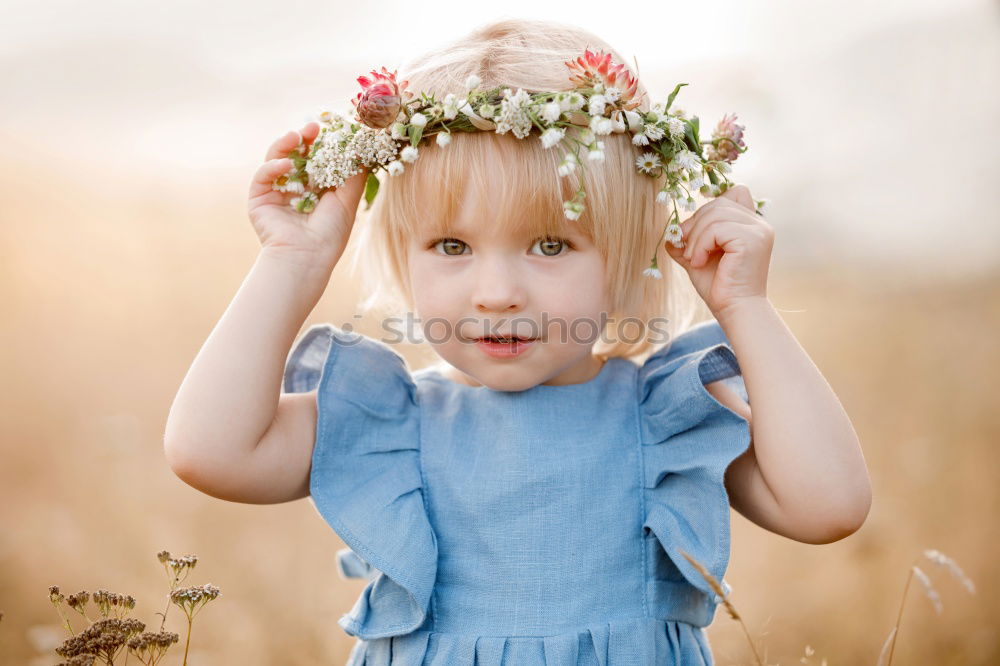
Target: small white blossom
[(291, 186), (653, 272), (618, 121), (443, 139), (409, 154), (568, 165), (600, 125), (572, 209), (653, 131), (674, 233), (689, 204), (687, 160), (398, 131), (472, 82), (450, 106), (662, 196), (552, 136), (418, 120), (514, 113), (394, 168), (724, 167), (597, 104), (640, 139), (697, 182), (598, 87), (634, 121), (570, 101), (551, 112), (613, 94), (648, 162), (597, 154), (675, 126), (586, 136)]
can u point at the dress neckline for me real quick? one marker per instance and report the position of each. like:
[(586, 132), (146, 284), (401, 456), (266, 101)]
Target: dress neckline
[(434, 372)]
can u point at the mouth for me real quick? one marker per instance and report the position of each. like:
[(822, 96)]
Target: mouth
[(503, 347), (504, 340)]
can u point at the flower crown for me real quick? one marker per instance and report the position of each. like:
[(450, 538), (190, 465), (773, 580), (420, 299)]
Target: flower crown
[(390, 121)]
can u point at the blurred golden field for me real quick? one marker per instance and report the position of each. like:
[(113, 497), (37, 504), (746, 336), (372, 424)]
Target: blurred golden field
[(103, 319), (123, 237)]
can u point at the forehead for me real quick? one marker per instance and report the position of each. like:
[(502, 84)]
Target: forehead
[(484, 185)]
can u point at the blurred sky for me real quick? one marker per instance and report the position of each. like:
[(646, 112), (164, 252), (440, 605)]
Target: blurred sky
[(871, 126)]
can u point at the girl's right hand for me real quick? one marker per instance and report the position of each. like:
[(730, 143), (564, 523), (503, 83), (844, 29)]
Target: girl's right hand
[(319, 236)]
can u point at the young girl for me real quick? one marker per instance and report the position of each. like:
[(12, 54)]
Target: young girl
[(527, 502)]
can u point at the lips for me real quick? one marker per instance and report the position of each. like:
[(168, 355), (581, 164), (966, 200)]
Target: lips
[(504, 339)]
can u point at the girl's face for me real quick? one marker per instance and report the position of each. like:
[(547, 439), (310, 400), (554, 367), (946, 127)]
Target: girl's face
[(481, 280)]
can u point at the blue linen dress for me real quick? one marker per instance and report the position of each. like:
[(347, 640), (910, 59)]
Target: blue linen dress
[(524, 528)]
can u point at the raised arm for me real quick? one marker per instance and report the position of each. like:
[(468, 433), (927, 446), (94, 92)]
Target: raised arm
[(230, 432)]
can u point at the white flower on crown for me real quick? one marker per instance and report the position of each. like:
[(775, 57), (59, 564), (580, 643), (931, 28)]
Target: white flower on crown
[(597, 105), (689, 204), (653, 131), (601, 125), (551, 112), (570, 101), (613, 94), (640, 139), (409, 154), (662, 197), (635, 121), (450, 106), (398, 131), (443, 138), (648, 162), (686, 159), (596, 154), (675, 126), (472, 82), (514, 113), (572, 209), (418, 120), (618, 121), (568, 165), (552, 136), (394, 168)]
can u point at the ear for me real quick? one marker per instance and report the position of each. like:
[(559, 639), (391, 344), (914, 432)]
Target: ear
[(741, 195)]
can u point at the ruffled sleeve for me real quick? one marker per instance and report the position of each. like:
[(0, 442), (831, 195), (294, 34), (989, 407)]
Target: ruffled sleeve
[(365, 479), (689, 439)]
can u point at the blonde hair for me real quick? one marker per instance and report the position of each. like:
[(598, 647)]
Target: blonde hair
[(622, 216)]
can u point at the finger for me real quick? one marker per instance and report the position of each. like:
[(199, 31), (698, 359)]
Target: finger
[(283, 145), (310, 132), (711, 239), (263, 178), (710, 217), (740, 194)]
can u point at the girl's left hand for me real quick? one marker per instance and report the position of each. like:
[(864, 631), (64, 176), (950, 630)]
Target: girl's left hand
[(727, 250)]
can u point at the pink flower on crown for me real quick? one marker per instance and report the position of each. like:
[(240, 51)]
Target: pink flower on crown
[(731, 134), (381, 98), (593, 68)]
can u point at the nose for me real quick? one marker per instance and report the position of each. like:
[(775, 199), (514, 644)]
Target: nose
[(498, 287)]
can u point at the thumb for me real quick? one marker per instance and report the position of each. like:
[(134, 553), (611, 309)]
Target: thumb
[(677, 254), (741, 195), (346, 197)]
